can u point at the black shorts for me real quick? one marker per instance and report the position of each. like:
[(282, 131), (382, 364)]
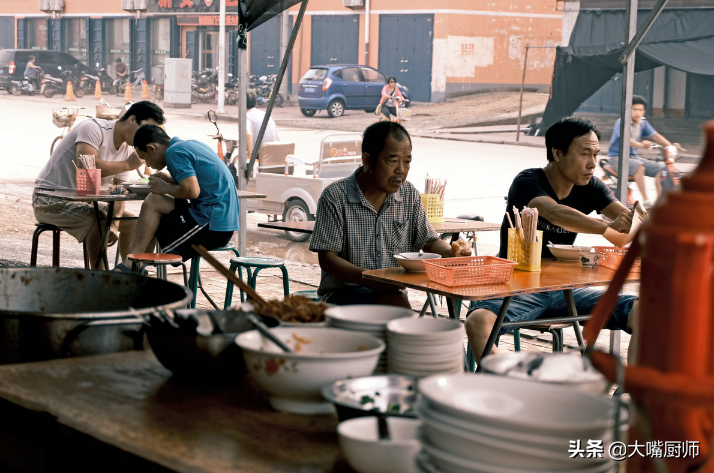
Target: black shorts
[(178, 231), (387, 110)]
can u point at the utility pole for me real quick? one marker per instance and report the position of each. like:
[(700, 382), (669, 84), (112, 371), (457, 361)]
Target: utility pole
[(222, 58)]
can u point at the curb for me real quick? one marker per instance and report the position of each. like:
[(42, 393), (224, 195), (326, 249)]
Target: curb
[(493, 142)]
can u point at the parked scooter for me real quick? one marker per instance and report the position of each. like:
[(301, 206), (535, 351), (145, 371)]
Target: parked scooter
[(89, 81), (26, 85), (264, 89), (204, 88), (52, 85)]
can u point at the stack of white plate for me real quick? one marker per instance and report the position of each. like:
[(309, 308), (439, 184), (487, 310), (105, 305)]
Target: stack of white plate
[(369, 319), (425, 346), (490, 424)]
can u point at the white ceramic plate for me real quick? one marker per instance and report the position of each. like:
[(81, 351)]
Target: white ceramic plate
[(568, 252), (519, 404)]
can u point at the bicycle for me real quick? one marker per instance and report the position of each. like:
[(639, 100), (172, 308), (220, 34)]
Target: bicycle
[(64, 118), (119, 86)]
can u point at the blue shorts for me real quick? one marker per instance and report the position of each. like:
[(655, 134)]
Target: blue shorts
[(552, 304), (352, 295)]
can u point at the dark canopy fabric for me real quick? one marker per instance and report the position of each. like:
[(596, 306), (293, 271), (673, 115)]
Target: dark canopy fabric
[(254, 13), (679, 38)]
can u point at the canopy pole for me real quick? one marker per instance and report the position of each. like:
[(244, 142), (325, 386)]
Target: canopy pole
[(242, 138), (276, 88), (284, 28), (628, 81), (222, 59), (642, 31)]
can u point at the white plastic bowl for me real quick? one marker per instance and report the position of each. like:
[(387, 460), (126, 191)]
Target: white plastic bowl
[(366, 317), (568, 252), (418, 330), (518, 404), (365, 453), (445, 461), (414, 263), (498, 451), (323, 356)]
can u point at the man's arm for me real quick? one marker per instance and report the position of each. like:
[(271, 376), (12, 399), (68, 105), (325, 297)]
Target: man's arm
[(438, 246), (575, 221), (164, 176), (249, 143), (186, 189), (343, 270), (109, 168), (660, 140)]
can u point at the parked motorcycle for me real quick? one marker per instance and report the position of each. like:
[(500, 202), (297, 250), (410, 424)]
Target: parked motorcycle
[(52, 85), (263, 86), (203, 88), (89, 81), (26, 85)]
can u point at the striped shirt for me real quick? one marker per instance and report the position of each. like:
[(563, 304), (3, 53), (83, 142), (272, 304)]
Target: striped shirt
[(349, 225)]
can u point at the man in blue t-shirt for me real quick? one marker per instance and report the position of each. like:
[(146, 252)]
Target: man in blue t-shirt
[(640, 135), (195, 203), (565, 191)]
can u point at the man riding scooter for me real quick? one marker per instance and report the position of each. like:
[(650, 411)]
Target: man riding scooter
[(31, 74), (640, 135)]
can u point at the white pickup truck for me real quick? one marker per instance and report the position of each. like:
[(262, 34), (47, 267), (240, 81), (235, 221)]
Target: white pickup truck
[(293, 185)]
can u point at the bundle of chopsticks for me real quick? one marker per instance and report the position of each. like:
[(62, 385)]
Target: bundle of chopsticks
[(435, 186), (526, 223), (87, 161)]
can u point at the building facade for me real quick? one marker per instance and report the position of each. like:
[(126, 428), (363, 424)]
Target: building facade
[(437, 49)]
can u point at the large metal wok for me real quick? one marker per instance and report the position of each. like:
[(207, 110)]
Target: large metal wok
[(48, 313)]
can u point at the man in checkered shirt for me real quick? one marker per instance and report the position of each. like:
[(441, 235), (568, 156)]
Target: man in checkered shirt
[(364, 220)]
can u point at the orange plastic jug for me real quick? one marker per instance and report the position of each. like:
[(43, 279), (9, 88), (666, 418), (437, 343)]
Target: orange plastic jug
[(673, 380)]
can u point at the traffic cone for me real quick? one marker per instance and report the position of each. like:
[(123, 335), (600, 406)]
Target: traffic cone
[(145, 91), (70, 92), (127, 93), (98, 91)]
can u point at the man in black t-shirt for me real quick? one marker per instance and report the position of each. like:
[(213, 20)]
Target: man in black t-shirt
[(565, 192)]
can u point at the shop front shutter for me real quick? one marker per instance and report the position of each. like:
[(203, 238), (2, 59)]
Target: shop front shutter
[(21, 42), (141, 47), (95, 45), (56, 39)]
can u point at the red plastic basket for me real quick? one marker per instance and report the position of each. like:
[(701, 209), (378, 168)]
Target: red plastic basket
[(612, 256), (469, 270)]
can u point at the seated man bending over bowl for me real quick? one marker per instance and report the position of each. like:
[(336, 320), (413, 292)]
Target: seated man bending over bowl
[(195, 174), (565, 192), (364, 220)]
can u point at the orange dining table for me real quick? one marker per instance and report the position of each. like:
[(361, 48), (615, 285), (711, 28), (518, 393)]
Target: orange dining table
[(553, 276)]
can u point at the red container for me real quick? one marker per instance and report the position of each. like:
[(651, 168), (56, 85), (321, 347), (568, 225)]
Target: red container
[(89, 181)]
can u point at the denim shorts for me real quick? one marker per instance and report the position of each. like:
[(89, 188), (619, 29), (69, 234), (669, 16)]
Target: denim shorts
[(652, 168), (552, 304), (351, 295)]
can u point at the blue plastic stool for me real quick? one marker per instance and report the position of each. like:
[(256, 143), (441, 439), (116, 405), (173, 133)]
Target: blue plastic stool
[(312, 295), (194, 279), (258, 263)]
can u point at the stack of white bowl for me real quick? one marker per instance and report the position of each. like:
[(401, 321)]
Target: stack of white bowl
[(369, 319), (475, 423), (425, 346)]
